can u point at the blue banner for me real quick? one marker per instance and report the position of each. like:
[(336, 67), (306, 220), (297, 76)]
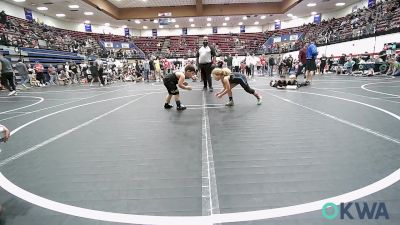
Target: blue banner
[(126, 32), (88, 27), (154, 32), (242, 29), (371, 3), (277, 25), (28, 15), (317, 19), (215, 30), (184, 31)]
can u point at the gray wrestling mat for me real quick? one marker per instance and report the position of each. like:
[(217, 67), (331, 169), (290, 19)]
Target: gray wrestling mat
[(90, 155)]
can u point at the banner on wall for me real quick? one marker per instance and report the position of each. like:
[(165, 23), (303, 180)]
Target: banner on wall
[(242, 29), (277, 25), (184, 31), (28, 15), (277, 39), (126, 32), (108, 44), (294, 37), (42, 43), (88, 27), (154, 32), (215, 30), (317, 19), (164, 21), (125, 45), (165, 14), (371, 3)]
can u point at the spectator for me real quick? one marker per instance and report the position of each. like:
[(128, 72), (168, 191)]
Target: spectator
[(39, 73), (302, 60), (22, 72), (52, 74), (7, 75)]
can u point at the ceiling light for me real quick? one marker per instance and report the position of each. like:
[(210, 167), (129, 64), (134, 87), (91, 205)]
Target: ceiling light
[(161, 26), (244, 18), (311, 4), (176, 26), (289, 15), (107, 24), (124, 26), (155, 21), (263, 17), (173, 20), (208, 24), (137, 21), (73, 6), (227, 18), (256, 23), (88, 13), (192, 25), (277, 21), (144, 27), (313, 13), (224, 24), (240, 23), (340, 4), (144, 0), (19, 0), (294, 17), (60, 15), (87, 21), (42, 8), (190, 19), (209, 19)]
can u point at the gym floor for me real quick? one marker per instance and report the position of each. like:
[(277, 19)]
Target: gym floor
[(115, 150)]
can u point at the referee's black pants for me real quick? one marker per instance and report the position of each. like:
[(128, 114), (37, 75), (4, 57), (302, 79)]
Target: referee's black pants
[(205, 69)]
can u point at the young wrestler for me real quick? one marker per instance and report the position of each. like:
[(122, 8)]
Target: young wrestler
[(229, 80), (177, 78)]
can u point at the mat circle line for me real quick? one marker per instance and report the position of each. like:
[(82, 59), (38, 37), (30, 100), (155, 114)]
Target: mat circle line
[(205, 220)]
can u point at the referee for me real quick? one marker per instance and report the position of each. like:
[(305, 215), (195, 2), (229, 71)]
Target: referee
[(205, 58)]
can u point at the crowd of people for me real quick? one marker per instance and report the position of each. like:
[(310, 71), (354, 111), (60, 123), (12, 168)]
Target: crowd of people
[(361, 23)]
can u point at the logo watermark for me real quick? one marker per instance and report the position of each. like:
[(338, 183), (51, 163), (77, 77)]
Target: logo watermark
[(376, 210)]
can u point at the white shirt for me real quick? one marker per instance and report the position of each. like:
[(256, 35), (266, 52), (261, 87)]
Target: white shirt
[(235, 61), (204, 55)]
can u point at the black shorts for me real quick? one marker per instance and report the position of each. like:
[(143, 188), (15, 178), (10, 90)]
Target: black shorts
[(310, 65), (171, 87)]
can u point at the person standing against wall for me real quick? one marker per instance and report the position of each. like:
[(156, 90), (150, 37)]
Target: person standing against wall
[(23, 72), (263, 63), (205, 58), (236, 63), (271, 64), (311, 66), (228, 61), (7, 75), (302, 60), (322, 66)]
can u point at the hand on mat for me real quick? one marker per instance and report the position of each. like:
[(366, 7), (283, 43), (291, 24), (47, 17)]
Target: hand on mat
[(188, 88)]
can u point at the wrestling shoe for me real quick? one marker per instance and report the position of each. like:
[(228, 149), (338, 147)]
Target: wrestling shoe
[(181, 108), (230, 103), (168, 106)]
